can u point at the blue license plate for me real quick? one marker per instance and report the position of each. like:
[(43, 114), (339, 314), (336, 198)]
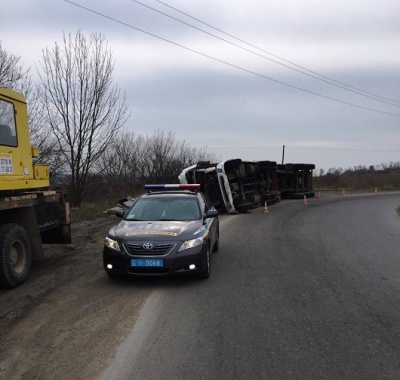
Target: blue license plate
[(147, 262)]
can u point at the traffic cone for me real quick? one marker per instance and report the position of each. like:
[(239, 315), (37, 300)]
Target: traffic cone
[(305, 199), (318, 196), (266, 211), (343, 192)]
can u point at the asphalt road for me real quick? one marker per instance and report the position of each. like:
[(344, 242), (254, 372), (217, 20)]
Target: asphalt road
[(302, 292)]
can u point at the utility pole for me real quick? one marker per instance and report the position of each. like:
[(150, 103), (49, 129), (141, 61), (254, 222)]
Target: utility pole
[(283, 154)]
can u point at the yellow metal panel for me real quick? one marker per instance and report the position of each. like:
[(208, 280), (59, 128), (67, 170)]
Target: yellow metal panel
[(41, 171), (23, 184), (17, 171), (35, 151), (12, 95)]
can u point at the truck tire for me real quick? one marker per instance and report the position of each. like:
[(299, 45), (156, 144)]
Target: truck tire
[(15, 255)]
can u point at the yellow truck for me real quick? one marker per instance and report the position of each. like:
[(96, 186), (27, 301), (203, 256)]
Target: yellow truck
[(30, 213)]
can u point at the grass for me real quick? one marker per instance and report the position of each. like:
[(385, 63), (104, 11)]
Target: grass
[(92, 211)]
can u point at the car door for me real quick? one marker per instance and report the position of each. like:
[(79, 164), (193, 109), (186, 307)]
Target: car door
[(206, 205)]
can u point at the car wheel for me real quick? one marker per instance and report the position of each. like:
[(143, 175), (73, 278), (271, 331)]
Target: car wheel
[(113, 275), (216, 244), (206, 272)]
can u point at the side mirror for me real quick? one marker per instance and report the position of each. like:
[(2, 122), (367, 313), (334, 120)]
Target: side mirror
[(119, 213), (211, 213), (127, 202)]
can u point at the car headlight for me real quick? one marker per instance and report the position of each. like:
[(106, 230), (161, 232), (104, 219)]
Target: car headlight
[(191, 243), (110, 243)]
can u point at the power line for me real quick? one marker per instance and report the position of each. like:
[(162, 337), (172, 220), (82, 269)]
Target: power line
[(228, 63), (302, 147), (243, 147), (346, 149), (322, 78)]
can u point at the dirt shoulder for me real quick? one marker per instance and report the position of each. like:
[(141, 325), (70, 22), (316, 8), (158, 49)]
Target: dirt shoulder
[(68, 319)]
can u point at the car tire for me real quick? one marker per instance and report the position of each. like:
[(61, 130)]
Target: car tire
[(15, 255), (216, 244), (113, 275), (205, 273)]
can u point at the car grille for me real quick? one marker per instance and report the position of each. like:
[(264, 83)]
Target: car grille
[(160, 249)]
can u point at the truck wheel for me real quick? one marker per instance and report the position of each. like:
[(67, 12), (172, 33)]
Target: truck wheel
[(15, 255)]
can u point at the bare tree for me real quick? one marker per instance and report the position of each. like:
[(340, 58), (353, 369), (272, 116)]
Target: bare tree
[(166, 157), (83, 107), (42, 137), (160, 150), (119, 165), (133, 160), (12, 74)]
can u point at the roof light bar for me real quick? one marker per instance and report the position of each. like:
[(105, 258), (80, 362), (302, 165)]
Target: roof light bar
[(190, 186)]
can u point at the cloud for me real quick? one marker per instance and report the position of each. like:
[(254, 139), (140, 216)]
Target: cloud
[(233, 112)]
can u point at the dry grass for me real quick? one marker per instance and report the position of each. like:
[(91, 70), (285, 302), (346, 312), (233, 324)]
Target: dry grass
[(92, 211)]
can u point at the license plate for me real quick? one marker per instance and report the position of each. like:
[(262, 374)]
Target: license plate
[(147, 262)]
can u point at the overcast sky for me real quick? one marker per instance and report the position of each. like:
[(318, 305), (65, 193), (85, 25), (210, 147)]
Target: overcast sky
[(235, 94)]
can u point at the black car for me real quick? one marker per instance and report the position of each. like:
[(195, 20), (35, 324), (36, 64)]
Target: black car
[(165, 232)]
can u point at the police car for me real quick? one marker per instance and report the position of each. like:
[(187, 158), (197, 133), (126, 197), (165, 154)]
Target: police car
[(171, 229)]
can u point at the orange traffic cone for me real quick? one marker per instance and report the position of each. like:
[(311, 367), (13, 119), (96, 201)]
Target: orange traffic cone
[(305, 199), (266, 211)]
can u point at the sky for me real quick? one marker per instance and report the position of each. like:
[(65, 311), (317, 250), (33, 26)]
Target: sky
[(242, 79)]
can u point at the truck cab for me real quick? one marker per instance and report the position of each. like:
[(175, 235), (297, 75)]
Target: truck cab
[(17, 168)]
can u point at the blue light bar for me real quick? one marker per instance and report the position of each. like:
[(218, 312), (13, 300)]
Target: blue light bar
[(187, 186)]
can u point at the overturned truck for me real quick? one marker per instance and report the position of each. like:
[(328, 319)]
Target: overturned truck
[(294, 181), (236, 186)]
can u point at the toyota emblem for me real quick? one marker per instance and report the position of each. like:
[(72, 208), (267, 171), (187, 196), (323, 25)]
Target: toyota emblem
[(147, 246)]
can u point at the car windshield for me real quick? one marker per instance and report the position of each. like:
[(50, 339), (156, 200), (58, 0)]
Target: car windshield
[(164, 208)]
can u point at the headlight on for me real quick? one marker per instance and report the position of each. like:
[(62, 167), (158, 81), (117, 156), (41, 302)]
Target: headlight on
[(191, 243), (110, 243)]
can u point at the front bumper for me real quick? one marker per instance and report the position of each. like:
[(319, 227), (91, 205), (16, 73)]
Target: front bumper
[(119, 263)]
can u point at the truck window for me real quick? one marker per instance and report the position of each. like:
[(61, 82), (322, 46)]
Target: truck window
[(8, 135)]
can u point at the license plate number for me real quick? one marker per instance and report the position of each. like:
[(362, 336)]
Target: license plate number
[(147, 262)]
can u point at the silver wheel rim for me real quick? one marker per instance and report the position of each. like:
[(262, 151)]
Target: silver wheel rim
[(17, 257)]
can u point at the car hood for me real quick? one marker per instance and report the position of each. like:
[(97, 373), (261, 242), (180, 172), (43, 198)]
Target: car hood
[(158, 230)]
